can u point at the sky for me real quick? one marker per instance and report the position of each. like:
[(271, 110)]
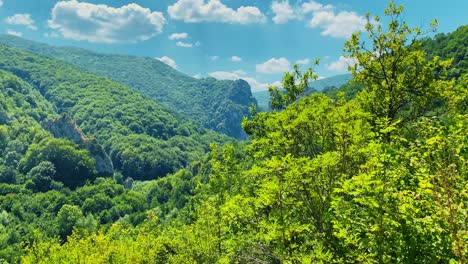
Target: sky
[(227, 39)]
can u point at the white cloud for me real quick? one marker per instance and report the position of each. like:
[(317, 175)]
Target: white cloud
[(168, 61), (214, 58), (303, 62), (224, 75), (104, 24), (22, 20), (340, 25), (196, 11), (313, 6), (14, 33), (178, 36), (51, 35), (1, 3), (283, 12), (236, 59), (240, 74), (197, 76), (341, 65), (274, 65), (260, 86), (184, 44)]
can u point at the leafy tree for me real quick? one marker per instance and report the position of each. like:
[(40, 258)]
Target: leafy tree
[(73, 166), (42, 175), (400, 82), (3, 137), (294, 85), (66, 219), (7, 174)]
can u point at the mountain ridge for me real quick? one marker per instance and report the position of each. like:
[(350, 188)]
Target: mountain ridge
[(135, 131), (214, 104)]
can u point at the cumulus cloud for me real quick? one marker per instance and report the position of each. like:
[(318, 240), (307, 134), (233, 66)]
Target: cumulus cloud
[(224, 75), (341, 65), (236, 59), (21, 20), (214, 58), (340, 25), (240, 74), (103, 24), (313, 6), (184, 44), (196, 11), (324, 17), (168, 61), (303, 62), (14, 33), (274, 65), (283, 12), (178, 36)]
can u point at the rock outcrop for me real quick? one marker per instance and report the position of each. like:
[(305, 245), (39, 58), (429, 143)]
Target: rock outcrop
[(65, 127)]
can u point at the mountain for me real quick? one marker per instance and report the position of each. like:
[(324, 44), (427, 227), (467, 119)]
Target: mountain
[(453, 45), (214, 104), (263, 97), (143, 139)]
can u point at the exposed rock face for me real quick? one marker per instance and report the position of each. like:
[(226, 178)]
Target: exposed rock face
[(65, 127)]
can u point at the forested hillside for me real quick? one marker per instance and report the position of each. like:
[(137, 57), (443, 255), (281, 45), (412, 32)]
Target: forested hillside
[(143, 138), (454, 46), (374, 172), (214, 104)]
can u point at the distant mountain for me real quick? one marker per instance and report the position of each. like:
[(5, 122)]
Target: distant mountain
[(82, 112), (263, 97), (214, 104)]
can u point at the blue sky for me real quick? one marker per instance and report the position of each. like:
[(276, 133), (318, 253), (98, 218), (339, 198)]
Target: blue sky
[(226, 39)]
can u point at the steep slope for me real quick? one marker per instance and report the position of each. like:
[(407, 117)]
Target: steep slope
[(28, 153), (143, 139), (452, 45), (217, 105)]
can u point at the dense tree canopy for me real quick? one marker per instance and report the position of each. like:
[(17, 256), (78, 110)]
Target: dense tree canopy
[(144, 139), (213, 104), (378, 177)]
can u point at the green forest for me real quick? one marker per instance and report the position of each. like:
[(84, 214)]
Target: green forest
[(221, 111), (375, 171)]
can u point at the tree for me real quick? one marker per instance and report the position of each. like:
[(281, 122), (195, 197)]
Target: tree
[(42, 175), (294, 85), (400, 83), (73, 165), (405, 202), (3, 137), (66, 219)]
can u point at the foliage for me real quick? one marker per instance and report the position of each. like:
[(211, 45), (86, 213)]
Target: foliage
[(213, 104), (322, 180), (453, 46), (133, 129)]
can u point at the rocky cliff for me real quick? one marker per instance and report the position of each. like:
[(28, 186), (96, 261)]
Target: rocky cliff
[(65, 127)]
